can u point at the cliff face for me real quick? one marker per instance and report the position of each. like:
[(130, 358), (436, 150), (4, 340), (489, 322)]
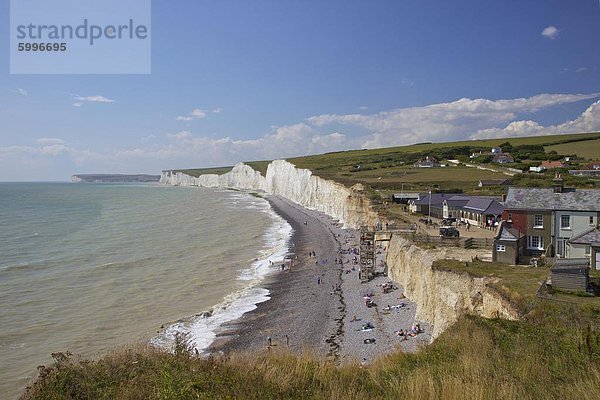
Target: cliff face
[(443, 296), (296, 184)]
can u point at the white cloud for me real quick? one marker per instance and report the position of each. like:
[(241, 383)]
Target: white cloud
[(457, 120), (217, 110), (588, 121), (196, 113), (550, 32), (22, 92), (444, 121), (81, 100)]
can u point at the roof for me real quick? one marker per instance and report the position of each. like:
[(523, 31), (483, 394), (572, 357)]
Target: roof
[(552, 164), (494, 182), (507, 232), (546, 199), (406, 195), (591, 237), (484, 206), (502, 156), (569, 264), (436, 198), (457, 201)]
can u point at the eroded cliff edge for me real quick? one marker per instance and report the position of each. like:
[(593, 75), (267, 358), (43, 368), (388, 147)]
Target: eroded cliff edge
[(282, 178), (441, 296)]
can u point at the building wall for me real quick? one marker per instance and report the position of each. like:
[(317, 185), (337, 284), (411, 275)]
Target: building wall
[(545, 231), (577, 251), (518, 218), (509, 255), (580, 222)]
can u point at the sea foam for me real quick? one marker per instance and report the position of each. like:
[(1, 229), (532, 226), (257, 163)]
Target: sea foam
[(201, 329)]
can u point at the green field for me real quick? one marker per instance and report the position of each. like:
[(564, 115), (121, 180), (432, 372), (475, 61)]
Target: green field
[(590, 150)]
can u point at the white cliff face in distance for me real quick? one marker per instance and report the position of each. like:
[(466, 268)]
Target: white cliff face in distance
[(298, 185)]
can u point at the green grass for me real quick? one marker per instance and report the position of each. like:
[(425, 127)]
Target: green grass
[(554, 353), (590, 150)]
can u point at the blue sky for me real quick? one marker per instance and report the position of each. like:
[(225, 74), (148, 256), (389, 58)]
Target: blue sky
[(245, 80)]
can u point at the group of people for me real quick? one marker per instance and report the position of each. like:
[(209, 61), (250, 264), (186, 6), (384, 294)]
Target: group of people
[(414, 331)]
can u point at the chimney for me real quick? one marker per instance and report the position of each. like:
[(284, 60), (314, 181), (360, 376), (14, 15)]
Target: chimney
[(557, 183)]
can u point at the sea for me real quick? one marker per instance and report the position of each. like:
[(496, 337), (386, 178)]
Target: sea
[(87, 268)]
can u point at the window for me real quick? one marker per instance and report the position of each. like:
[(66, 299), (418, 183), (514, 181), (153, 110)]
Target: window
[(535, 242), (565, 222), (509, 218), (538, 221), (500, 247), (588, 250), (591, 220)]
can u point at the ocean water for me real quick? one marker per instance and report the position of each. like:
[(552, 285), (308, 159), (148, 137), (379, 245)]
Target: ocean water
[(89, 267)]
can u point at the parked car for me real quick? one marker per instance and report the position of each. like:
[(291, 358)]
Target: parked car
[(448, 221), (449, 232)]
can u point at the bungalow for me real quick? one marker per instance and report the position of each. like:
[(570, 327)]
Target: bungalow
[(481, 211), (503, 158), (552, 164), (427, 162), (584, 172), (453, 206), (495, 182), (434, 201), (476, 210), (591, 169)]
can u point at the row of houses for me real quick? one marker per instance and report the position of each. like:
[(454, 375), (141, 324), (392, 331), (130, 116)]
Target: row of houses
[(555, 222), (477, 210)]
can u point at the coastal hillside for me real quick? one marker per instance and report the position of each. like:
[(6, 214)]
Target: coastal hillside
[(499, 330)]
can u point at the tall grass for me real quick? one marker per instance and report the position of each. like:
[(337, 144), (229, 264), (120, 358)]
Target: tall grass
[(553, 353)]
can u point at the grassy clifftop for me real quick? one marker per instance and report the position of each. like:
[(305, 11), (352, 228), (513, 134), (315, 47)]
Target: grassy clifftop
[(554, 353)]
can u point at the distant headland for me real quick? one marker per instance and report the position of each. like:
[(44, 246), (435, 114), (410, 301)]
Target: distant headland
[(113, 178)]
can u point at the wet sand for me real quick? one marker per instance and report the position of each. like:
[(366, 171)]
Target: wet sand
[(313, 304)]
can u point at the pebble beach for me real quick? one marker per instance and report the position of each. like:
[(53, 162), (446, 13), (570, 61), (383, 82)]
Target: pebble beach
[(319, 304)]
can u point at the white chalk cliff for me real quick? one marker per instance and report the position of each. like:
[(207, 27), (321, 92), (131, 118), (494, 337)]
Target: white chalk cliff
[(349, 205), (441, 297)]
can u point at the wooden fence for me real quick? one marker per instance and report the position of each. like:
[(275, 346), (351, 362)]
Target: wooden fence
[(466, 243)]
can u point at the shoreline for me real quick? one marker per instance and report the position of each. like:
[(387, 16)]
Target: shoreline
[(297, 306), (318, 306)]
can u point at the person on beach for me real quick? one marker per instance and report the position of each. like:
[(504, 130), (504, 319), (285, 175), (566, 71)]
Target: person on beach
[(269, 341), (287, 340)]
